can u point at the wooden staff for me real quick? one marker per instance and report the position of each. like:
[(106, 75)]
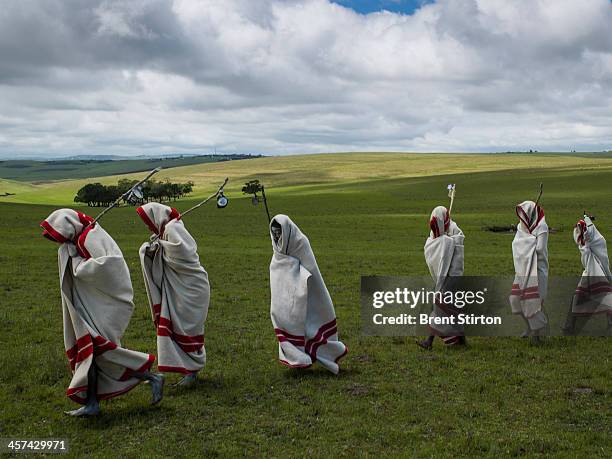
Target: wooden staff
[(214, 195), (124, 195), (263, 194), (534, 213)]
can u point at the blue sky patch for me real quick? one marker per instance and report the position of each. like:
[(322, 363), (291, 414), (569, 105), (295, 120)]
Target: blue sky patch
[(396, 6)]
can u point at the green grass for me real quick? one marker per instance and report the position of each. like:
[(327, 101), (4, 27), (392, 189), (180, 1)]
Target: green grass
[(299, 173), (499, 397), (36, 171)]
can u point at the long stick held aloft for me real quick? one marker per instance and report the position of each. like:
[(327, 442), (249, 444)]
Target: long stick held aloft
[(534, 212), (451, 195), (540, 195), (263, 194), (214, 195), (124, 195)]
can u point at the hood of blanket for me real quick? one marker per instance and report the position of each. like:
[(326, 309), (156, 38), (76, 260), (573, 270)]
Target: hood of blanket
[(530, 216), (156, 216), (292, 241), (65, 225), (439, 221)]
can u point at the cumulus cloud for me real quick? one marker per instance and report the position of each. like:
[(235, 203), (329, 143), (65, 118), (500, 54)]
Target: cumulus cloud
[(294, 76)]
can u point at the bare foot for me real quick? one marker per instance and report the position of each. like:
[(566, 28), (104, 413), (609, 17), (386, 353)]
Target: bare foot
[(87, 410), (157, 388)]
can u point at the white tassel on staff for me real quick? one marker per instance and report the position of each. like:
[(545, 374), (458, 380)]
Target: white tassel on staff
[(451, 194)]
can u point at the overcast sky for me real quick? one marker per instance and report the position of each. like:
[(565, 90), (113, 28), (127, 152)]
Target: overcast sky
[(296, 76)]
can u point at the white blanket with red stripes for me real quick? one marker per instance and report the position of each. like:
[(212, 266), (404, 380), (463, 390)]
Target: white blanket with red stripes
[(302, 311), (96, 293), (594, 292), (444, 255), (530, 252), (178, 290)]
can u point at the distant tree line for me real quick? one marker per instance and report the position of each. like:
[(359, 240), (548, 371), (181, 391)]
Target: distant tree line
[(98, 195)]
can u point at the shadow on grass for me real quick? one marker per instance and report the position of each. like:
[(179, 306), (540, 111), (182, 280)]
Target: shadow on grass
[(318, 373), (119, 416), (202, 384)]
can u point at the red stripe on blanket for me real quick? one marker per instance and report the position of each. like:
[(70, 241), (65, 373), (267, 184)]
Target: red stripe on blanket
[(528, 293), (319, 335), (433, 224), (283, 339), (342, 355), (102, 345), (84, 219), (129, 372), (284, 336), (524, 218), (168, 369), (145, 218), (290, 365), (186, 343), (600, 284), (50, 233), (287, 334), (594, 292), (530, 296), (86, 346), (73, 393), (582, 227), (517, 288), (80, 243), (174, 215), (82, 350), (321, 342)]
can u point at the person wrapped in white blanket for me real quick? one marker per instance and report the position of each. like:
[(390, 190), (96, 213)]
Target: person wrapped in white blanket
[(594, 291), (96, 293), (301, 309), (530, 252), (444, 255), (178, 291)]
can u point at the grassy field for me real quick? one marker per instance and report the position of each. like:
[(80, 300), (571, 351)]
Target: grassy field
[(37, 171), (298, 174), (364, 214)]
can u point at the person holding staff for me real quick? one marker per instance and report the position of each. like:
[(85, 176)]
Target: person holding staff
[(530, 253), (594, 291), (178, 291), (97, 294), (444, 254)]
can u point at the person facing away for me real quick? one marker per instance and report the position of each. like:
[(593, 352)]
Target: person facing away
[(96, 293), (301, 308), (530, 253), (444, 255), (593, 294), (178, 291)]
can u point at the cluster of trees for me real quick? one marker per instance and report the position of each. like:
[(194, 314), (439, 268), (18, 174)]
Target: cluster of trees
[(98, 195)]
